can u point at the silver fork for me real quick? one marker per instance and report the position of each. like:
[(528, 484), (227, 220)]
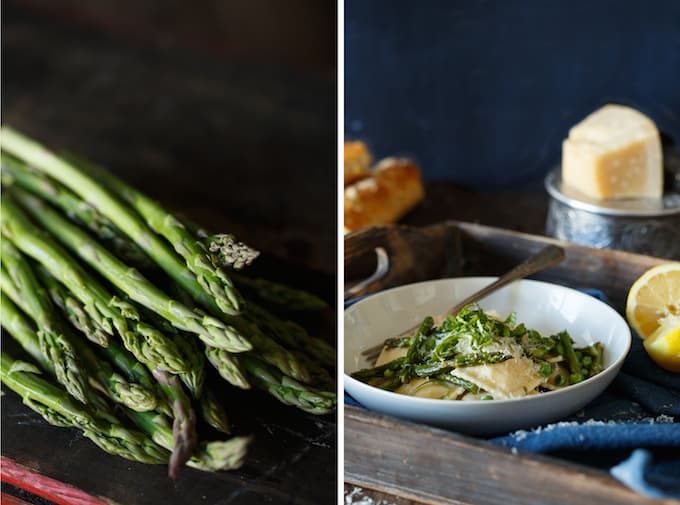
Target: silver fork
[(547, 257)]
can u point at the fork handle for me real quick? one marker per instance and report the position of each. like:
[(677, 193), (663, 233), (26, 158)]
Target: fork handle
[(548, 256)]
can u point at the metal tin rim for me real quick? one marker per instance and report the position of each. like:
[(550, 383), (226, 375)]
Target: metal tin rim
[(553, 184)]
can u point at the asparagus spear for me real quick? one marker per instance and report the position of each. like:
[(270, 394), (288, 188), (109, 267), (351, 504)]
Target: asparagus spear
[(184, 422), (267, 348), (74, 207), (97, 373), (226, 251), (78, 317), (197, 257), (209, 292), (77, 314), (58, 408), (290, 334), (210, 277), (213, 412), (208, 456), (145, 342), (287, 390), (67, 363), (129, 280), (278, 295), (22, 331), (228, 366)]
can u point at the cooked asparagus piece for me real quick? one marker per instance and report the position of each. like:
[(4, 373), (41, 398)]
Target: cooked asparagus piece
[(74, 207), (145, 342), (67, 363), (207, 287), (129, 280), (184, 421), (57, 408), (287, 390)]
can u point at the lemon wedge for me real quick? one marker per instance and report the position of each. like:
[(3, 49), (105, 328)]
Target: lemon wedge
[(654, 299), (663, 346)]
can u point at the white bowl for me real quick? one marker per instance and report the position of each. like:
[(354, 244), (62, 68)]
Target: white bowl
[(548, 308)]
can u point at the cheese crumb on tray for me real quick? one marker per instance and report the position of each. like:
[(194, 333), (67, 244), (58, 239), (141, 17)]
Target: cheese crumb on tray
[(614, 153)]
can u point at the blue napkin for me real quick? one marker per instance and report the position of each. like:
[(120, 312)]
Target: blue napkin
[(638, 412)]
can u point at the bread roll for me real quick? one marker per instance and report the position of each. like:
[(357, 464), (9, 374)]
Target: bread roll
[(357, 161), (393, 189)]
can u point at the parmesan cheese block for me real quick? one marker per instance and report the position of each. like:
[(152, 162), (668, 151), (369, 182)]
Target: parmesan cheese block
[(614, 153)]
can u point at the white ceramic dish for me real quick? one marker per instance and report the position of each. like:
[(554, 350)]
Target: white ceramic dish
[(548, 308)]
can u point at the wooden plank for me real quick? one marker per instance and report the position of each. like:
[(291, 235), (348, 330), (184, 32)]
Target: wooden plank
[(438, 467)]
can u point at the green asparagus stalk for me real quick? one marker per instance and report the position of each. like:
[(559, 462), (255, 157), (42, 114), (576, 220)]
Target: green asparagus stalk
[(97, 373), (76, 314), (213, 412), (210, 291), (278, 295), (145, 342), (226, 251), (129, 280), (266, 347), (74, 207), (290, 334), (68, 365), (73, 309), (23, 331), (228, 366), (287, 390), (194, 378), (196, 255), (59, 409), (184, 421), (15, 320), (208, 456)]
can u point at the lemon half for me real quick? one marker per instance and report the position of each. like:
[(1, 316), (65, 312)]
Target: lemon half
[(653, 311)]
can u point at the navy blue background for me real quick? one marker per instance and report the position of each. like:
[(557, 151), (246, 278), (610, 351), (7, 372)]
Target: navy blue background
[(483, 92)]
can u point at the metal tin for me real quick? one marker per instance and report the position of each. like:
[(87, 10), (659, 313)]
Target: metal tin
[(645, 226)]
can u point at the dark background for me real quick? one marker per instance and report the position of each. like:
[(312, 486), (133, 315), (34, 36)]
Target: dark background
[(483, 92)]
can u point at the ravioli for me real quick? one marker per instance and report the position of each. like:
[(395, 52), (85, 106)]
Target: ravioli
[(511, 378)]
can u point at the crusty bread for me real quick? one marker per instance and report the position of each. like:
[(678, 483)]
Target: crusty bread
[(393, 189), (357, 161)]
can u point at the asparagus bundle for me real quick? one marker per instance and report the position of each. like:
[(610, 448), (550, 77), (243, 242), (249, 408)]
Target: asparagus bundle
[(125, 304), (57, 407)]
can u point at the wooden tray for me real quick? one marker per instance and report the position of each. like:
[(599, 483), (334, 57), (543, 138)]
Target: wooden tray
[(406, 461)]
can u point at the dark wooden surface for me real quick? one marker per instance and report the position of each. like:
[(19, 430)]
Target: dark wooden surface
[(388, 457), (226, 113)]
